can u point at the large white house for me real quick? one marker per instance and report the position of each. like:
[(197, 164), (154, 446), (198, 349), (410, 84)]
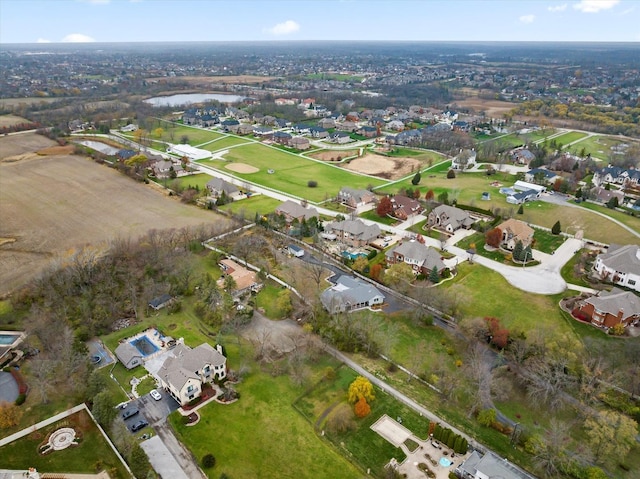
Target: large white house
[(192, 153), (620, 265), (186, 370)]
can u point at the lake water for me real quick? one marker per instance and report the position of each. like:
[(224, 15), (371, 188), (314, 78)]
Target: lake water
[(188, 98), (101, 147)]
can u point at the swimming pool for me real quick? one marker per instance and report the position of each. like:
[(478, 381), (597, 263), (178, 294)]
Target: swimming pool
[(144, 345), (8, 338), (353, 256)]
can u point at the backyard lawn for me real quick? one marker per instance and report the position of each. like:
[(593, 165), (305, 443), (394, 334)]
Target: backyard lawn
[(262, 435), (261, 204), (91, 455), (291, 173)]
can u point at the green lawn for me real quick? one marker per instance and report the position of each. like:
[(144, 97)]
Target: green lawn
[(292, 172), (487, 293), (91, 455), (510, 141), (267, 299), (547, 242), (197, 136), (260, 204), (224, 143), (566, 138), (599, 145), (630, 221), (594, 226), (262, 435), (538, 135), (373, 216), (199, 180), (366, 447)]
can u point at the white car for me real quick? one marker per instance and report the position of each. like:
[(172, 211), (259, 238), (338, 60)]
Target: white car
[(155, 395)]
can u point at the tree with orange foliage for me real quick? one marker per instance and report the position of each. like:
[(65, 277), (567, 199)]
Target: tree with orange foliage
[(362, 408), (494, 237), (374, 272), (499, 335), (429, 196), (384, 207)]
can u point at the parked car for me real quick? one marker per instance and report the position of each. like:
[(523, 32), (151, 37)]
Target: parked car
[(139, 425), (155, 395), (130, 413)]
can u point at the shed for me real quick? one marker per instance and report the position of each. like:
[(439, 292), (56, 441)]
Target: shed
[(296, 251)]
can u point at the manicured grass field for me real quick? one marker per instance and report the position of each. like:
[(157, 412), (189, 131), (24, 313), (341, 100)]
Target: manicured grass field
[(510, 141), (196, 135), (487, 293), (292, 172), (547, 242), (373, 216), (567, 138), (631, 221), (599, 145), (91, 455), (260, 204), (199, 180), (267, 299), (224, 143), (594, 226), (538, 135), (262, 435)]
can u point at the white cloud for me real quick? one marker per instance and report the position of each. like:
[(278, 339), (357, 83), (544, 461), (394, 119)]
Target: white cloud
[(527, 18), (95, 2), (284, 28), (627, 11), (594, 6), (43, 40), (77, 38), (557, 8)]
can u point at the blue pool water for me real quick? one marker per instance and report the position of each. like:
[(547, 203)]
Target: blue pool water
[(145, 346), (353, 256), (7, 339), (445, 462)]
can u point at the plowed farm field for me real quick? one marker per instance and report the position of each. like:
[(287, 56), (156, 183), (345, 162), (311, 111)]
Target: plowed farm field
[(52, 204)]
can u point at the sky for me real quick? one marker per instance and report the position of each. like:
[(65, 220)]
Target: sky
[(43, 21)]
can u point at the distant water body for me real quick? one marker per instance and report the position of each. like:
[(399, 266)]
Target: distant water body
[(189, 98)]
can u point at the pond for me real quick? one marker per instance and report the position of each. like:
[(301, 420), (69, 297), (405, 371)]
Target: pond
[(189, 98)]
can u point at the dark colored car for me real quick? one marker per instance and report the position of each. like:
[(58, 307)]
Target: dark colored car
[(139, 425), (129, 413)]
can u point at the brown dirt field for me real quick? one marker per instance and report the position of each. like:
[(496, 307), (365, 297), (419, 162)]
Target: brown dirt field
[(14, 102), (51, 205), (383, 166), (214, 79), (57, 150), (331, 155), (10, 120), (241, 168), (13, 145), (495, 108)]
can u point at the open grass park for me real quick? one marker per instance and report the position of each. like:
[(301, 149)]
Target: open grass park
[(291, 173)]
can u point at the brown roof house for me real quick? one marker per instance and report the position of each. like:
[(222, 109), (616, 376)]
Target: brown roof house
[(620, 265), (404, 208), (294, 211), (186, 370), (419, 256), (513, 231), (245, 278), (609, 308), (449, 218), (353, 232)]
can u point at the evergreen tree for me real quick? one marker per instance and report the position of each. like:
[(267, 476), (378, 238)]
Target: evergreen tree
[(521, 210), (433, 275), (518, 251), (556, 228), (416, 179)]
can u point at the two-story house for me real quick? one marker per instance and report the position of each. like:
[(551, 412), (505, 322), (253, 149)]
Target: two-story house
[(355, 198), (620, 265), (513, 231), (449, 218), (353, 232), (186, 370), (404, 208), (420, 257)]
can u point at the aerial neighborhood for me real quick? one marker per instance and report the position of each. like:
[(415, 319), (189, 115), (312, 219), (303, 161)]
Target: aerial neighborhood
[(320, 263)]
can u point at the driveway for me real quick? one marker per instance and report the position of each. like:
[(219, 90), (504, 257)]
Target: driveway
[(162, 460)]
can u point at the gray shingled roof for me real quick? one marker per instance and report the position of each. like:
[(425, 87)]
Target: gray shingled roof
[(348, 290), (493, 467), (425, 256), (295, 210), (625, 258), (456, 217), (219, 185), (185, 363), (126, 352), (356, 228), (615, 300)]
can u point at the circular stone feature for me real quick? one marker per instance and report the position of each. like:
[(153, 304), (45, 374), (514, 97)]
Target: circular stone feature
[(60, 439)]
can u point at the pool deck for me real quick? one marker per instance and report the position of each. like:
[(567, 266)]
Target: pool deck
[(154, 336), (396, 434), (5, 348)]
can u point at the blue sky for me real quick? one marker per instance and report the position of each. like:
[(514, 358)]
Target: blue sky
[(27, 21)]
